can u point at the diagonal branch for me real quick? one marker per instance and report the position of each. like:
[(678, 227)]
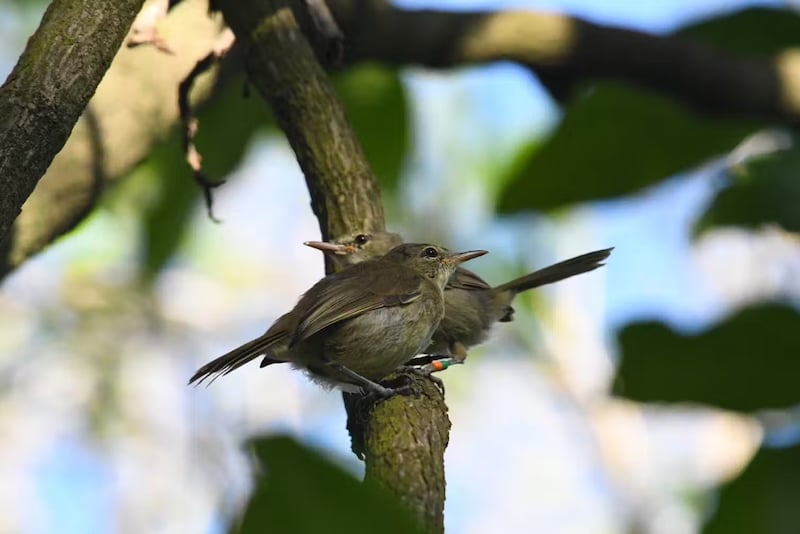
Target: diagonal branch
[(405, 436), (50, 87), (281, 64), (133, 109), (563, 51)]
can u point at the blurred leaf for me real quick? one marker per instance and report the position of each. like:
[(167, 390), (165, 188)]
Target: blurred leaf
[(375, 101), (301, 492), (764, 498), (763, 191), (227, 125), (754, 31), (167, 216), (749, 362), (615, 140)]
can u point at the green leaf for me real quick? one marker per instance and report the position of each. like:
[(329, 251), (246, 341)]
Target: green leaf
[(755, 31), (763, 191), (167, 217), (749, 362), (226, 127), (615, 140), (301, 492), (764, 498), (374, 99)]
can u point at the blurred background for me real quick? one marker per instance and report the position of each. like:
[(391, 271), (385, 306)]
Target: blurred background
[(656, 395)]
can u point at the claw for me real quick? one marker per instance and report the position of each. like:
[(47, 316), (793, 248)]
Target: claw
[(380, 393), (426, 371)]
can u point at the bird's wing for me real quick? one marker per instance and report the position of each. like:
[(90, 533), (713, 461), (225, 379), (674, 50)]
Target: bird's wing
[(465, 279), (337, 298)]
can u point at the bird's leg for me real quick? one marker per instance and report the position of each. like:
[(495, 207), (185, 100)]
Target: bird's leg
[(433, 363), (427, 364), (368, 385), (424, 359)]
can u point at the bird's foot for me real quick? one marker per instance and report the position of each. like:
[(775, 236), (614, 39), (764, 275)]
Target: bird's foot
[(378, 392), (368, 387), (427, 364)]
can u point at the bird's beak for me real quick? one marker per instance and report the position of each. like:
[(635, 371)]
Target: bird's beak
[(335, 248), (461, 257)]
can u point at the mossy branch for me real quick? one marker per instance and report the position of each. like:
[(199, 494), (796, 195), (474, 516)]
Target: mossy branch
[(49, 88), (404, 436)]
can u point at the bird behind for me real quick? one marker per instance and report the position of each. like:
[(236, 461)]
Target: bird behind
[(472, 306)]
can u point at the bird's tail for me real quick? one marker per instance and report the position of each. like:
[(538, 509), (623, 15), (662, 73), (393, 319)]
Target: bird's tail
[(236, 358), (558, 271)]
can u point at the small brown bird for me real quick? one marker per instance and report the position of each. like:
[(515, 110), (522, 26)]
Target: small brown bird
[(356, 326), (472, 306)]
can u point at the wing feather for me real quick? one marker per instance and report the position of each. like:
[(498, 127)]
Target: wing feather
[(352, 292), (466, 279)]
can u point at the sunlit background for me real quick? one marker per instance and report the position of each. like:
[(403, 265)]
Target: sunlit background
[(101, 434)]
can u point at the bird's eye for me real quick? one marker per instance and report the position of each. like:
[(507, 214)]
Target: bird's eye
[(361, 239), (430, 252)]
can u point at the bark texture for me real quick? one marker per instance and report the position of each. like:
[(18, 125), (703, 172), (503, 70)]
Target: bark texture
[(133, 109), (405, 436), (404, 444), (49, 88), (281, 65)]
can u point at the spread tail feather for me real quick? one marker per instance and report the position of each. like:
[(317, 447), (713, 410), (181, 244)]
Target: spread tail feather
[(559, 271), (236, 358)]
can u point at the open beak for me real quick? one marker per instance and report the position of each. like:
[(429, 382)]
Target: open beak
[(461, 257), (324, 246)]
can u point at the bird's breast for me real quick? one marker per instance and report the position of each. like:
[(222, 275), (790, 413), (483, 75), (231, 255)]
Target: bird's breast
[(378, 342)]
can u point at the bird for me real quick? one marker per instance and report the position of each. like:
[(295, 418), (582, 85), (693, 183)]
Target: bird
[(472, 306), (358, 325)]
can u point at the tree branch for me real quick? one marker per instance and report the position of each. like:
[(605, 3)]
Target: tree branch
[(50, 87), (404, 444), (564, 51), (282, 66), (132, 110), (405, 435)]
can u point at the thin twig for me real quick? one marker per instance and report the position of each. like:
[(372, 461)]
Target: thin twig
[(190, 123)]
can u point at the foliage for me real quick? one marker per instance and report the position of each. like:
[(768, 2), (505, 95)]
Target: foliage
[(746, 363), (303, 492), (763, 498), (375, 102), (613, 140), (758, 192)]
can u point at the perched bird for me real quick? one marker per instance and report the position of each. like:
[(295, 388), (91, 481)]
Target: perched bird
[(471, 305), (356, 326)]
